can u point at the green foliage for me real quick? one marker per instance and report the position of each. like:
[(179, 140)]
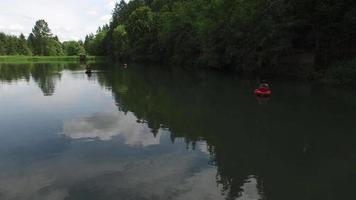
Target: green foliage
[(12, 45), (120, 41), (96, 44), (73, 48), (141, 30), (263, 36), (41, 30), (296, 37), (23, 48), (42, 41)]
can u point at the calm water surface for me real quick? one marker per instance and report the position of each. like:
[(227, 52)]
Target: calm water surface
[(161, 133)]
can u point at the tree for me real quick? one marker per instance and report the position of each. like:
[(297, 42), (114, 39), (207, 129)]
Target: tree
[(97, 44), (142, 33), (88, 44), (43, 42), (23, 48), (2, 43), (120, 42), (30, 42), (11, 45), (295, 37)]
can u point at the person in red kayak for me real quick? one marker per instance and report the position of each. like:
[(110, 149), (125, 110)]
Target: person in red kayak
[(263, 89)]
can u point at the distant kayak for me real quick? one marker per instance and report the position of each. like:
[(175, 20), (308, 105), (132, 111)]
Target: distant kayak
[(263, 92)]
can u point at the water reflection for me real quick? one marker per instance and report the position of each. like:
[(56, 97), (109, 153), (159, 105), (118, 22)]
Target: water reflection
[(252, 189), (45, 75), (104, 126), (158, 133), (96, 175)]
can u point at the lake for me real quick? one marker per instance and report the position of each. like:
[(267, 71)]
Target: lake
[(150, 132)]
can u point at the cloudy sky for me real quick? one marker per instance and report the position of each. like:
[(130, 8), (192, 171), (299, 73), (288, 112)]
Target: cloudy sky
[(69, 19)]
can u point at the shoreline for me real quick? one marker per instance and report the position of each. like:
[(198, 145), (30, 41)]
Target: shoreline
[(341, 74)]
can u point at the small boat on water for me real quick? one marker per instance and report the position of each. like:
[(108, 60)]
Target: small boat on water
[(263, 90)]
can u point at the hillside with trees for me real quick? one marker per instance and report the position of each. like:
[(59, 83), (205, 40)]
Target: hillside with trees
[(305, 38)]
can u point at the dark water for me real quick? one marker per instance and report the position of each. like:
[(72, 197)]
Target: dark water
[(161, 133)]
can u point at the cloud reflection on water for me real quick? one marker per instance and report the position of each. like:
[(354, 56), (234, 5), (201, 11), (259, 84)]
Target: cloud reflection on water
[(167, 174), (105, 126)]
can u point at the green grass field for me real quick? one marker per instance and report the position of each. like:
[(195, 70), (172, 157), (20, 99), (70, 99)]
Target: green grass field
[(47, 59)]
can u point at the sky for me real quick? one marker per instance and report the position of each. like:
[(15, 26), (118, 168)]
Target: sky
[(68, 19)]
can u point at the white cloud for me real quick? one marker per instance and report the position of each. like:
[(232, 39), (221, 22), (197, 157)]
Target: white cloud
[(16, 27), (92, 12)]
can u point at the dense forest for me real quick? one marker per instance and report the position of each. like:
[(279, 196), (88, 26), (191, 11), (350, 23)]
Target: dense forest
[(295, 37), (40, 42), (314, 39)]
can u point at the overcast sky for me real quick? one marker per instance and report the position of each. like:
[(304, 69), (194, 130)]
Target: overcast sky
[(69, 19)]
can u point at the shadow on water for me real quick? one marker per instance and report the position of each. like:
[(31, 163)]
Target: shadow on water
[(299, 144)]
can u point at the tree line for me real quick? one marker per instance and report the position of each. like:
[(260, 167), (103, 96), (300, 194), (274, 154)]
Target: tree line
[(309, 38), (280, 36), (41, 42)]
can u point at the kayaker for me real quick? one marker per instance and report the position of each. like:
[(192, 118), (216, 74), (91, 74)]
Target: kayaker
[(264, 85), (263, 89), (88, 69)]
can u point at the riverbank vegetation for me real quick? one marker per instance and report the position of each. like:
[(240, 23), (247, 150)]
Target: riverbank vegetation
[(299, 37), (302, 38)]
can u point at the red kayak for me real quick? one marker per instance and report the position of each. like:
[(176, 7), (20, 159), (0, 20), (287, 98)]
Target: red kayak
[(263, 92)]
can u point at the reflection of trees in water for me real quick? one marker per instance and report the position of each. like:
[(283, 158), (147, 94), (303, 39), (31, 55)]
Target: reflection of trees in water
[(45, 76), (281, 142), (14, 72), (187, 107)]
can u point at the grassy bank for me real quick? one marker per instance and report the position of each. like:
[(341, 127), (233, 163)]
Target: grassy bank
[(47, 59)]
